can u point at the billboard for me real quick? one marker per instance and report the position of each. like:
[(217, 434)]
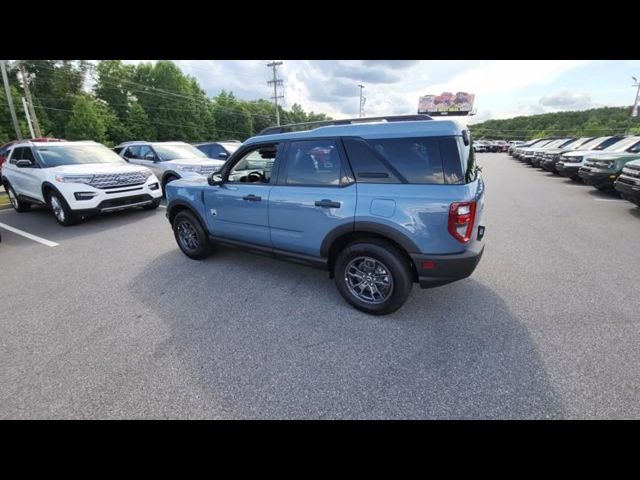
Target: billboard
[(447, 104)]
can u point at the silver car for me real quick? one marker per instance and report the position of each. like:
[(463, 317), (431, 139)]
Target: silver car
[(169, 160)]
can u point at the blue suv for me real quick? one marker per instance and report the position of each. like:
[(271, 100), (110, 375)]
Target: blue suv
[(380, 203)]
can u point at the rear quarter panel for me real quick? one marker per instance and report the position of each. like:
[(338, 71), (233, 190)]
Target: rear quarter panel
[(421, 212)]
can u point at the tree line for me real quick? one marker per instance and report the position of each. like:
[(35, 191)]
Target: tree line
[(588, 123), (111, 102)]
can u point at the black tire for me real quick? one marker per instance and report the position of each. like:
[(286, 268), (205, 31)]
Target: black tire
[(17, 204), (394, 269), (153, 205), (190, 236), (60, 209)]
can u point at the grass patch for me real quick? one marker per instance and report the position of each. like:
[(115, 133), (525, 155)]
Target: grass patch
[(4, 200)]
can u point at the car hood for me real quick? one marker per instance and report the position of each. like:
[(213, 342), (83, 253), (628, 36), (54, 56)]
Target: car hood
[(196, 162), (96, 168), (635, 163), (583, 153), (197, 181), (615, 156)]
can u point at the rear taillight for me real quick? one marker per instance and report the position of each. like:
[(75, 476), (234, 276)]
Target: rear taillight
[(461, 218)]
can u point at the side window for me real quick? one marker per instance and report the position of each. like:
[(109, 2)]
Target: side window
[(313, 162), (143, 151), (214, 151), (451, 164), (255, 166), (132, 152), (367, 164), (418, 160), (27, 154), (634, 148), (14, 155), (118, 150), (204, 149)]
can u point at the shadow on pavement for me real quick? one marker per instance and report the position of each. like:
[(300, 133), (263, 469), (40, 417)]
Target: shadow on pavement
[(269, 339), (40, 221)]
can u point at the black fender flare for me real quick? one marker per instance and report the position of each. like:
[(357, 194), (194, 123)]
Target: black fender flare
[(183, 203), (168, 173), (368, 227)]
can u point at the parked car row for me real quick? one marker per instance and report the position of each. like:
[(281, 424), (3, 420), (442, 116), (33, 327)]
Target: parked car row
[(77, 179), (491, 145), (609, 163)]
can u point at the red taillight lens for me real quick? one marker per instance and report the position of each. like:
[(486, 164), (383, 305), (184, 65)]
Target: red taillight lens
[(461, 218)]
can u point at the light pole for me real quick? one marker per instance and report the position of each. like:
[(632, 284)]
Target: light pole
[(634, 111), (362, 100)]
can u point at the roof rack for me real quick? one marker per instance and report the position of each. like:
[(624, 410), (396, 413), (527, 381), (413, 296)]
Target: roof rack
[(347, 121)]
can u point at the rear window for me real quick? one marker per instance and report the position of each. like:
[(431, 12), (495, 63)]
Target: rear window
[(425, 160)]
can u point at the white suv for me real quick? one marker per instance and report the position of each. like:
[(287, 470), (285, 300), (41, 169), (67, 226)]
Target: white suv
[(75, 179), (169, 160)]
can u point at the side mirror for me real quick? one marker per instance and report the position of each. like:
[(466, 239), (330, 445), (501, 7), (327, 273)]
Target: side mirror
[(24, 163), (150, 156), (223, 155), (215, 178)]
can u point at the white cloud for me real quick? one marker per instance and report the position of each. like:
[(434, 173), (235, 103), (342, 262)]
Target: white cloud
[(391, 86)]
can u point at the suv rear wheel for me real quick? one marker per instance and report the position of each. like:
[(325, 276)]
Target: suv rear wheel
[(190, 236), (16, 203), (61, 210), (373, 276)]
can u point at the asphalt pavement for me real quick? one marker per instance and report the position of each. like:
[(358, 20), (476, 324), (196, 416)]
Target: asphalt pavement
[(108, 319)]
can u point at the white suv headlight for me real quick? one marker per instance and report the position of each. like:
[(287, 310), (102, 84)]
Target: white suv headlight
[(74, 178)]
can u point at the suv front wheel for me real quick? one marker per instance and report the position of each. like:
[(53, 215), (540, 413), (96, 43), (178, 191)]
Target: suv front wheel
[(190, 236), (373, 276), (61, 210)]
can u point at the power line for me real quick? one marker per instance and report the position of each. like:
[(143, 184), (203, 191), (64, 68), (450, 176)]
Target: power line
[(163, 93)]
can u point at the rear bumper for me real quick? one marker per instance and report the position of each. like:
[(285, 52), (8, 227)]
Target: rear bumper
[(446, 268)]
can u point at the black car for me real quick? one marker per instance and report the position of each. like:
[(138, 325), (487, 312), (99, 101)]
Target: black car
[(218, 150)]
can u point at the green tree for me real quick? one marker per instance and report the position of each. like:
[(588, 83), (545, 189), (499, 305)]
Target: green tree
[(231, 117), (88, 120)]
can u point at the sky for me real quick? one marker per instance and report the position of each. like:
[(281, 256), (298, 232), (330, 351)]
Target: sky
[(503, 88)]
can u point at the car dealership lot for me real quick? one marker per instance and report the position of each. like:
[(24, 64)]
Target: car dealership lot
[(115, 322)]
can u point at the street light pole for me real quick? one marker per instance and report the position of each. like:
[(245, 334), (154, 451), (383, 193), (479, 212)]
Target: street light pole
[(634, 111), (361, 101)]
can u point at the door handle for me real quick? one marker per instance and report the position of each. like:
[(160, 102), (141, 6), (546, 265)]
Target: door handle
[(327, 203), (252, 198)]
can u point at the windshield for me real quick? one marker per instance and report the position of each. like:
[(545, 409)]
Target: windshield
[(622, 145), (172, 151), (77, 154), (593, 143)]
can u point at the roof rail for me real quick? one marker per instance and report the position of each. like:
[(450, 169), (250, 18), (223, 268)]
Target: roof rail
[(347, 121)]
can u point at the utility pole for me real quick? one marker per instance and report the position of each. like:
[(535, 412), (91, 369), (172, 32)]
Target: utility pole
[(27, 92), (636, 103), (26, 112), (362, 101), (7, 89), (276, 82)]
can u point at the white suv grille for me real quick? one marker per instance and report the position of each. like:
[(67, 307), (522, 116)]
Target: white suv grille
[(110, 180), (209, 170)]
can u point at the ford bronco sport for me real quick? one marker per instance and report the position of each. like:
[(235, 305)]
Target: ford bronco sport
[(380, 203)]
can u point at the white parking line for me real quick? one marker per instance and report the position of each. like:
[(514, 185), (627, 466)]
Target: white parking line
[(162, 206), (35, 238), (609, 200)]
